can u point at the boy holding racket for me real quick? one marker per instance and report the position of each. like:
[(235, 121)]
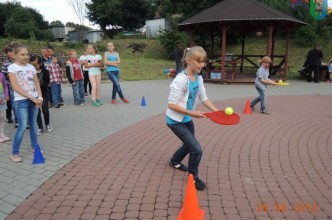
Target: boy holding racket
[(185, 91), (261, 82)]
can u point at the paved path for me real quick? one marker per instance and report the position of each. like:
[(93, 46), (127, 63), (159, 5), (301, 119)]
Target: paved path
[(96, 169)]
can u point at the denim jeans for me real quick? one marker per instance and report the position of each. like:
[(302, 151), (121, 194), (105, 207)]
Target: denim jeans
[(56, 93), (26, 111), (261, 98), (114, 77), (186, 133), (78, 92)]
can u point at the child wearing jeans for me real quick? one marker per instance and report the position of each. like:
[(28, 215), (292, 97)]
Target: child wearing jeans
[(261, 82), (75, 77), (27, 98), (186, 90), (3, 97), (55, 72)]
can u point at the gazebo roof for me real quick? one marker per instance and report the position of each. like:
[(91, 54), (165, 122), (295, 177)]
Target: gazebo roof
[(247, 15)]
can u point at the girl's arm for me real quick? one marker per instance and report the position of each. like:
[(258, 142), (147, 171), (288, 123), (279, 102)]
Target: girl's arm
[(109, 63), (210, 105), (178, 108)]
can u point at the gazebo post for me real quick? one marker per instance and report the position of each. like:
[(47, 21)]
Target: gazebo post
[(212, 44), (242, 51), (286, 51), (273, 44), (269, 40), (223, 52), (191, 39)]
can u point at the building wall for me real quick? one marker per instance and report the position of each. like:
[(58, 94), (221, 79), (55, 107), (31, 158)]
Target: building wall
[(154, 27)]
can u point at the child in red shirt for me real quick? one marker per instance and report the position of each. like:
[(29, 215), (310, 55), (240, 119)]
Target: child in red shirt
[(75, 77)]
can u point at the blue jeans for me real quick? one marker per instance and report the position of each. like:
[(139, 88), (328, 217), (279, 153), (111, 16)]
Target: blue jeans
[(78, 92), (261, 98), (26, 112), (186, 133), (56, 93), (114, 77)]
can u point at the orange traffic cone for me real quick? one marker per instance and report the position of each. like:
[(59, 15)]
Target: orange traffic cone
[(190, 209), (247, 109)]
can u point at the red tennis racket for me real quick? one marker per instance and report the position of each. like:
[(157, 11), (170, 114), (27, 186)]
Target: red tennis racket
[(220, 117)]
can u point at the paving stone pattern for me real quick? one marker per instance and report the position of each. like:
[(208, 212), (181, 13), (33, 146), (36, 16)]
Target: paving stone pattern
[(111, 162)]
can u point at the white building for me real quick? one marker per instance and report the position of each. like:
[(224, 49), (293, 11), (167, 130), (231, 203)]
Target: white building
[(154, 27)]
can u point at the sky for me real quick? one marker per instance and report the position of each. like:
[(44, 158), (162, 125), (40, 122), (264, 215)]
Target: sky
[(54, 10)]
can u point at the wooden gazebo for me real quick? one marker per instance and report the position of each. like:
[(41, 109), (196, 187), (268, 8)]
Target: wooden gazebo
[(242, 17)]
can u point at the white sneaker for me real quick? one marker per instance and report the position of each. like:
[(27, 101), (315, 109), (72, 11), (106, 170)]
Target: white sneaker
[(49, 127), (40, 132)]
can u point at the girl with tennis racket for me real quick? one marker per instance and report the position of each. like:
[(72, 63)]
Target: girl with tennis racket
[(185, 91)]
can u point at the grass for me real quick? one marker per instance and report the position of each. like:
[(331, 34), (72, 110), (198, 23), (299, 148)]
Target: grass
[(150, 64)]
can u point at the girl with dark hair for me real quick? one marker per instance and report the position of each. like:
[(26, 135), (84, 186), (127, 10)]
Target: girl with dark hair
[(44, 81)]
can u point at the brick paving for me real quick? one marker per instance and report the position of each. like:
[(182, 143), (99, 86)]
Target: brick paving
[(114, 166)]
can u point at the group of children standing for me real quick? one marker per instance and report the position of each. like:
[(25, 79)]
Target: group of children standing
[(28, 84)]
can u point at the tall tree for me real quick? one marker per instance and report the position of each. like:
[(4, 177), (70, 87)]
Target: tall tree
[(21, 24), (104, 13), (129, 14), (56, 23), (5, 11), (78, 7)]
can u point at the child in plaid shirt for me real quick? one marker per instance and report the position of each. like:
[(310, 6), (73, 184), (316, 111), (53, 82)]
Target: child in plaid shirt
[(55, 72)]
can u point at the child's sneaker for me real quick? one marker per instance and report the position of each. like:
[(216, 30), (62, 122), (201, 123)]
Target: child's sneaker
[(266, 112), (95, 104), (252, 108), (125, 100), (16, 158), (178, 166), (49, 128), (113, 101), (199, 184), (99, 101), (40, 132), (58, 106)]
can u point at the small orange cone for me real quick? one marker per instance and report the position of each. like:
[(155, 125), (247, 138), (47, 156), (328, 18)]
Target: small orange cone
[(247, 109), (190, 209)]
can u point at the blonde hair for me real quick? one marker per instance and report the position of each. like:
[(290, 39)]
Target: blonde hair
[(195, 53), (93, 47), (71, 51), (19, 47)]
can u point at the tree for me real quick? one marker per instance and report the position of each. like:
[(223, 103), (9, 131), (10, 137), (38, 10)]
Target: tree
[(104, 13), (129, 14), (6, 10), (56, 23), (21, 24), (79, 8)]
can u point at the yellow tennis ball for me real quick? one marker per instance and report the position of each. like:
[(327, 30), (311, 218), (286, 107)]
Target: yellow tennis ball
[(229, 111), (280, 81)]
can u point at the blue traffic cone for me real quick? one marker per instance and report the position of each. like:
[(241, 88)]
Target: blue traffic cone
[(38, 156), (143, 102)]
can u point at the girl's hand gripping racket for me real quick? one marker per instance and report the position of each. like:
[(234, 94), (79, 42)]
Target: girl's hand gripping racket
[(221, 118)]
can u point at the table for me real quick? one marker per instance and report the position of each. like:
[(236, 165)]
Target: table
[(233, 64)]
